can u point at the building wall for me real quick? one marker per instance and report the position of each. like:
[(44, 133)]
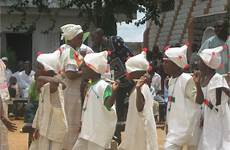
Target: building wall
[(176, 23), (40, 41)]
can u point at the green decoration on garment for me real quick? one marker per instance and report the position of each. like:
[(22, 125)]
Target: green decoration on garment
[(107, 94)]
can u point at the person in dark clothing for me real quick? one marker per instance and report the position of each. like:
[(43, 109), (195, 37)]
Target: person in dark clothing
[(119, 54)]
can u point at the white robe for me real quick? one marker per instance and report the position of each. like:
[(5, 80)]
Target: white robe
[(216, 127), (3, 137), (50, 120), (25, 81), (72, 97), (140, 130), (83, 144), (98, 123), (183, 115), (4, 97)]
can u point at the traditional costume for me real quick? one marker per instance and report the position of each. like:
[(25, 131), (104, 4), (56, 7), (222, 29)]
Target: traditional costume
[(70, 60), (140, 130), (182, 112), (216, 124), (98, 120), (8, 72), (4, 96), (50, 119), (213, 42)]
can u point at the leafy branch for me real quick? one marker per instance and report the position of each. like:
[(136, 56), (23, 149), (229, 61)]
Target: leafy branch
[(99, 12)]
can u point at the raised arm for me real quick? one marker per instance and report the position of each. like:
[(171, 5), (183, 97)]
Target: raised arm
[(197, 80), (54, 83), (140, 100), (111, 99)]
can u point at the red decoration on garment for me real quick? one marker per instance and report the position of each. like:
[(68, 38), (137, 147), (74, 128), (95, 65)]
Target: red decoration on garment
[(187, 43), (180, 57), (109, 52), (186, 66), (75, 56), (206, 102), (145, 49), (39, 53), (213, 53), (166, 48), (225, 47), (170, 98)]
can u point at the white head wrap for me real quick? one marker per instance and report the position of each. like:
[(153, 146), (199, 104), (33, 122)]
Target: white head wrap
[(50, 61), (212, 57), (178, 55), (137, 63), (71, 30), (97, 62), (4, 59)]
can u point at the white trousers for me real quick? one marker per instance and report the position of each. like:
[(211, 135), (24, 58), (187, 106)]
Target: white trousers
[(170, 146), (3, 137), (82, 144), (45, 144)]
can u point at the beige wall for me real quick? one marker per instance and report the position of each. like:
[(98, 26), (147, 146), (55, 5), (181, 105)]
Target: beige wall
[(40, 41)]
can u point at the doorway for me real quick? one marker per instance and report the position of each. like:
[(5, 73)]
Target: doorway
[(18, 48)]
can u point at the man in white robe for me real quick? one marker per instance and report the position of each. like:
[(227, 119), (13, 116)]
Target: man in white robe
[(5, 124), (70, 60), (26, 78)]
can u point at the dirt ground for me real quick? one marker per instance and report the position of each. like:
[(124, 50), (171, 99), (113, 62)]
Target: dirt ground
[(18, 141)]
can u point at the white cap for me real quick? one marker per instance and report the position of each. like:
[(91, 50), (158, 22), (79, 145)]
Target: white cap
[(4, 58), (71, 30), (97, 62), (212, 57), (178, 55), (50, 61), (137, 63)]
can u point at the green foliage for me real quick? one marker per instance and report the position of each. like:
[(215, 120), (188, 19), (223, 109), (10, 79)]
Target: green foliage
[(99, 12)]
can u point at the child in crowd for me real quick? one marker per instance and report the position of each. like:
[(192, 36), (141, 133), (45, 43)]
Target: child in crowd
[(98, 116), (140, 130), (50, 122), (214, 92), (183, 111)]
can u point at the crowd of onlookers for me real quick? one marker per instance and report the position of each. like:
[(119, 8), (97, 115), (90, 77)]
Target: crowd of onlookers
[(19, 83)]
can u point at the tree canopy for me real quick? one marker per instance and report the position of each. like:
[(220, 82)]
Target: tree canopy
[(99, 12)]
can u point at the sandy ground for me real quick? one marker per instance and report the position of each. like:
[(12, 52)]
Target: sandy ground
[(18, 141)]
